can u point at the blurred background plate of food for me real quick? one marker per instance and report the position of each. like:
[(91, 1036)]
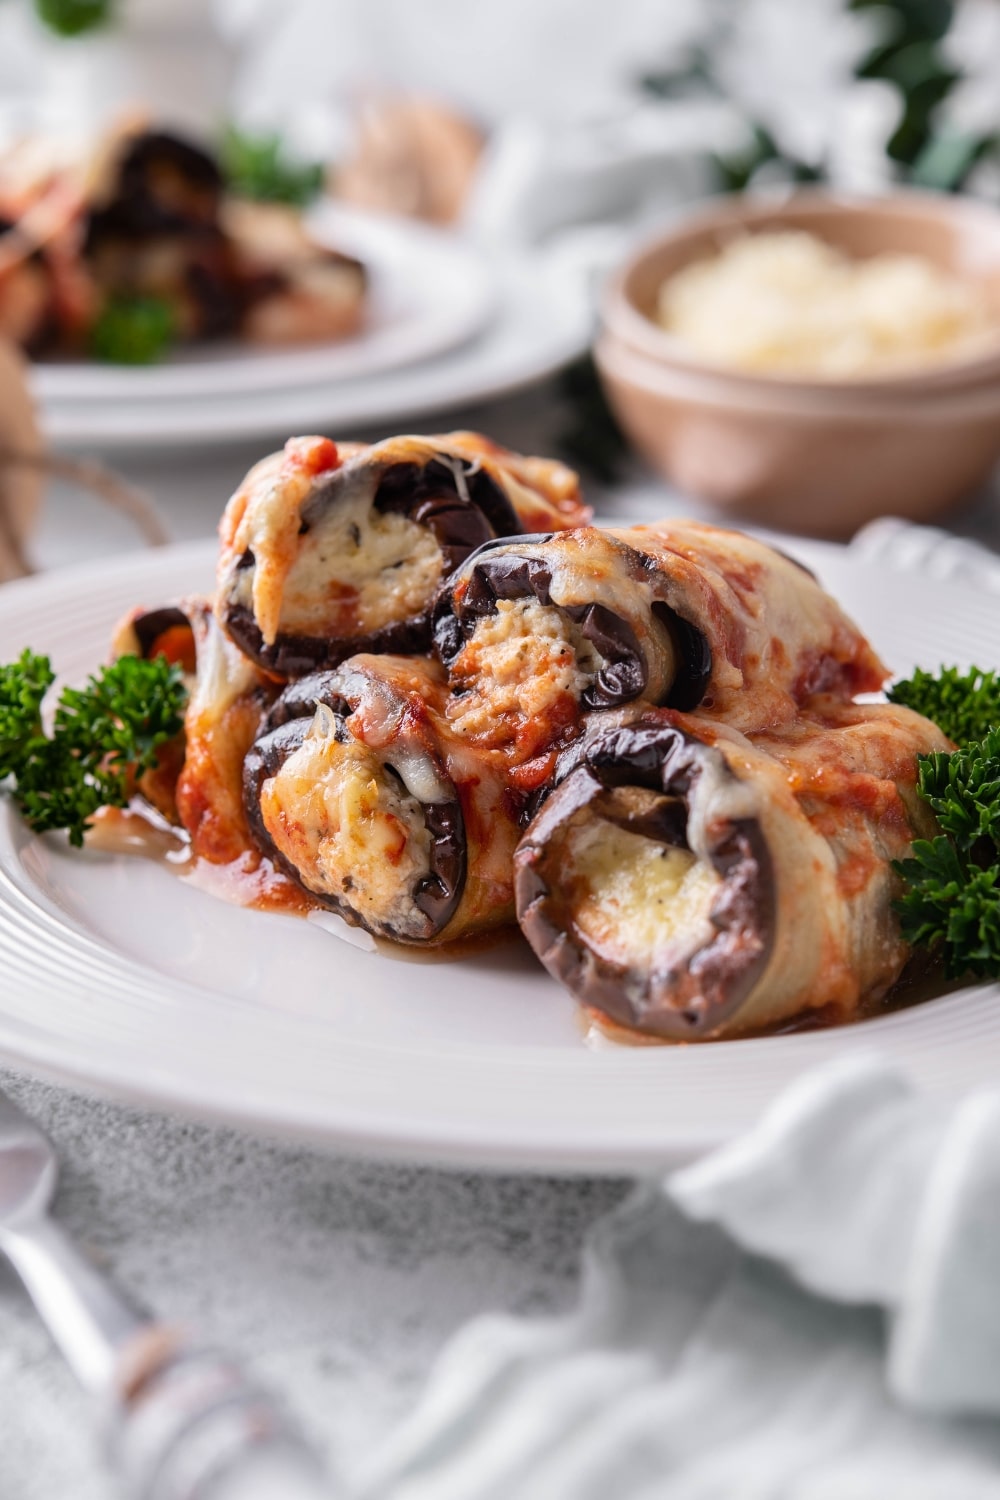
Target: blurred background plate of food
[(425, 293), (136, 270), (543, 322)]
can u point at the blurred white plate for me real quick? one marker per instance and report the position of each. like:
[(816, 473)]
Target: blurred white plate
[(121, 976), (542, 320), (430, 292)]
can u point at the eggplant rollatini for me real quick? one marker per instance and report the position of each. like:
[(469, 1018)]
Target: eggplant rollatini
[(539, 631), (328, 551), (198, 783), (693, 882), (360, 791)]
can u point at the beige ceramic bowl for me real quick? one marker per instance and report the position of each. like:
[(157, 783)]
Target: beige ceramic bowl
[(821, 456)]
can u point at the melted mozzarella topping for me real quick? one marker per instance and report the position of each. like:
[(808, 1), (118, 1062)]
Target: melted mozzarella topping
[(345, 822), (522, 664), (636, 897)]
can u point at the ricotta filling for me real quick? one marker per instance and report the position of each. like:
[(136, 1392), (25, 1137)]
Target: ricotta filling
[(524, 665), (637, 900), (351, 828), (355, 570)]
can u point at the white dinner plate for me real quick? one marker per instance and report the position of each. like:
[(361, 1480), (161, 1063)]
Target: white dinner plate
[(429, 292), (119, 975), (543, 318)]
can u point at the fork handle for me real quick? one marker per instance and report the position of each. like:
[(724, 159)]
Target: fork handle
[(191, 1424), (183, 1423), (89, 1321)]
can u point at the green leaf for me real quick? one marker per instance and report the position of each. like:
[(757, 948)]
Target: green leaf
[(952, 907), (255, 166), (73, 17), (946, 161), (103, 735), (965, 705), (23, 685), (133, 330), (964, 791)]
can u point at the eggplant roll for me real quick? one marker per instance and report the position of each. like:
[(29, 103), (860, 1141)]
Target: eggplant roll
[(153, 230), (537, 631), (363, 795), (694, 883), (328, 551), (199, 781)]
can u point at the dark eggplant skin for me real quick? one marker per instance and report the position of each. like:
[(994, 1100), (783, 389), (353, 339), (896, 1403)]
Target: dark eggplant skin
[(285, 729), (152, 623), (161, 184), (525, 571), (293, 656), (693, 1001), (428, 494)]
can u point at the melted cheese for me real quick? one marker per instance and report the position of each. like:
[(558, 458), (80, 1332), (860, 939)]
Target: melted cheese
[(355, 570), (349, 827), (637, 897), (523, 664)]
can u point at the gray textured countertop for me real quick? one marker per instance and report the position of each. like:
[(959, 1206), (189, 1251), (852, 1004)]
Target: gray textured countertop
[(339, 1280)]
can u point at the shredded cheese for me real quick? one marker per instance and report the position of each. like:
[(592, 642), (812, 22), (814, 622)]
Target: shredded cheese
[(789, 303)]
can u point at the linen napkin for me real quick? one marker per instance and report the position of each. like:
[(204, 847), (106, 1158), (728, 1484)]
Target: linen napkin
[(810, 1313)]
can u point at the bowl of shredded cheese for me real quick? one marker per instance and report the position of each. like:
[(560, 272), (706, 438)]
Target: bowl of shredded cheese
[(813, 362)]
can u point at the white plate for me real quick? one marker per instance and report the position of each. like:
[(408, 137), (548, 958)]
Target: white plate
[(543, 320), (119, 975), (430, 292)]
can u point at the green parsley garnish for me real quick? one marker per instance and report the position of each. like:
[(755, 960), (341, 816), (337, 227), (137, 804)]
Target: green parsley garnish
[(73, 17), (951, 901), (104, 735), (133, 330), (966, 705), (256, 166), (952, 906)]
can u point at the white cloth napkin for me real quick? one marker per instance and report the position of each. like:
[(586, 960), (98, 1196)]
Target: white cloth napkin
[(810, 1313)]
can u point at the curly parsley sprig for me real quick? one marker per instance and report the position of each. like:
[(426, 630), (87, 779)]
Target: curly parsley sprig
[(965, 705), (104, 735), (951, 898)]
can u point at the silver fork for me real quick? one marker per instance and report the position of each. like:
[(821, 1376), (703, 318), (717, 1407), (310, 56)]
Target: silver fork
[(183, 1422)]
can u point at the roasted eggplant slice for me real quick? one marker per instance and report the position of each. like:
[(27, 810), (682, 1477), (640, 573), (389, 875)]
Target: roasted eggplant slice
[(693, 883), (539, 631), (327, 551), (357, 791), (152, 182), (774, 636), (199, 781)]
